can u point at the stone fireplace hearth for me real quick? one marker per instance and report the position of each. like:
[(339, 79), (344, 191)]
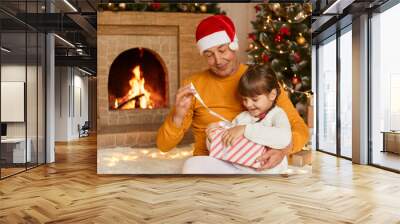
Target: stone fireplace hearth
[(170, 38)]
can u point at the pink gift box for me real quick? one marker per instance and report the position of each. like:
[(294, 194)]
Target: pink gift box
[(243, 151)]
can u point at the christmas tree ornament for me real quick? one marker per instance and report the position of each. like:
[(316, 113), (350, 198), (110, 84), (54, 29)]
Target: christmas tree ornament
[(155, 6), (284, 30), (257, 8), (295, 79), (297, 57), (203, 8), (300, 40), (265, 58), (278, 38), (276, 7), (122, 6), (252, 36)]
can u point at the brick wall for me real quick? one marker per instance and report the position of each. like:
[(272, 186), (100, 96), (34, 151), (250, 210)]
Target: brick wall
[(168, 35)]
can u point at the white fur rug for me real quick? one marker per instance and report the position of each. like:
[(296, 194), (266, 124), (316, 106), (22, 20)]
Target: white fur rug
[(124, 160)]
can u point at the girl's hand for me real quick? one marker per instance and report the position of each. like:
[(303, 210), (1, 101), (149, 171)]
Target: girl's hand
[(230, 135), (211, 127)]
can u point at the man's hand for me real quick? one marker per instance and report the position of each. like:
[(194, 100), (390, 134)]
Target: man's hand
[(272, 157), (183, 101), (230, 135)]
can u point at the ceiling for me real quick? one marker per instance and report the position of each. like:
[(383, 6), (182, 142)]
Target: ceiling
[(76, 24), (330, 15)]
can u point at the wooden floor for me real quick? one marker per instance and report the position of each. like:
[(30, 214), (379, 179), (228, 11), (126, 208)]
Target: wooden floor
[(70, 191), (10, 171), (386, 159)]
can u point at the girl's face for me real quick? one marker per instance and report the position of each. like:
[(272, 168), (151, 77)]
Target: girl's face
[(260, 104)]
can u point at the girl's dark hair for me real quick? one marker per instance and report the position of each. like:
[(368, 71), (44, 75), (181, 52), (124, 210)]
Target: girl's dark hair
[(257, 80)]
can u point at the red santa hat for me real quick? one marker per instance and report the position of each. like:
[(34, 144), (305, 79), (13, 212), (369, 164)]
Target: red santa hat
[(216, 30)]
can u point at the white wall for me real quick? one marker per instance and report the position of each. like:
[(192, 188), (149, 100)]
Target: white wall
[(70, 83), (241, 14), (79, 117), (62, 81), (33, 127), (16, 73)]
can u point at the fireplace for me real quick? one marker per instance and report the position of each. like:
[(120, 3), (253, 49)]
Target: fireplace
[(142, 59), (137, 80)]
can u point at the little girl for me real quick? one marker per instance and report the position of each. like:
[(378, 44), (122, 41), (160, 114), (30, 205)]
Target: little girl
[(263, 123)]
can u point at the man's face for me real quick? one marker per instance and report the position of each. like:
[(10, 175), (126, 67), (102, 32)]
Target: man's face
[(221, 60)]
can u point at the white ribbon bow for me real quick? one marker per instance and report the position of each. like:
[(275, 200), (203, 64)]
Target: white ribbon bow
[(196, 94)]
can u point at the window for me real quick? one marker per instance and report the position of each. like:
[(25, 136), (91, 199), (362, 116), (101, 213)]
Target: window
[(327, 96), (385, 89), (346, 75)]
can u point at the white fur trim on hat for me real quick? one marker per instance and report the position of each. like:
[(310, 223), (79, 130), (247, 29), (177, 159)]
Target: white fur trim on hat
[(234, 45), (215, 39)]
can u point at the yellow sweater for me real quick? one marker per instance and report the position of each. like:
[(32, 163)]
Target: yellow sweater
[(220, 95)]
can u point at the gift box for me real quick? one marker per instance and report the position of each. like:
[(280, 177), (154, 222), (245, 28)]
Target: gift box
[(243, 151)]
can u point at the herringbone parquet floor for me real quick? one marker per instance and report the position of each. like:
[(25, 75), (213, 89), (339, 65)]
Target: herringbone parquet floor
[(70, 191)]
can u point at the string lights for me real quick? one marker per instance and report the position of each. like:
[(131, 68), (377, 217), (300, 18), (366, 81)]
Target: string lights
[(135, 155), (308, 93)]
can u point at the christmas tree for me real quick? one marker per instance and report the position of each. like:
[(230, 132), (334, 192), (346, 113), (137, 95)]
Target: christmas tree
[(282, 38)]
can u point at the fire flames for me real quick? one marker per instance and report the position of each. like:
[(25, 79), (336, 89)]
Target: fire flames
[(138, 96)]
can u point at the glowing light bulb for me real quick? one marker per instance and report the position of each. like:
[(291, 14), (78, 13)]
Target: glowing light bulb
[(185, 153)]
